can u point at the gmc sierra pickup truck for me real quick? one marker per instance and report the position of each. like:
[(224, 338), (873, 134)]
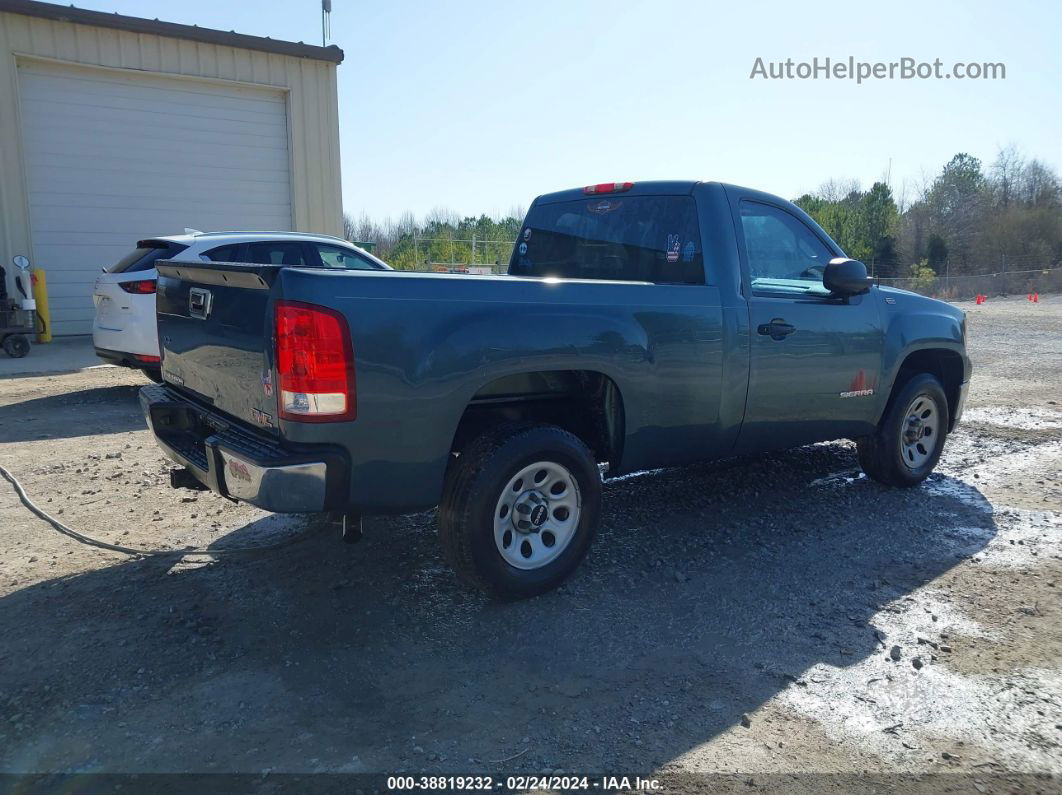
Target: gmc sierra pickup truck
[(640, 325)]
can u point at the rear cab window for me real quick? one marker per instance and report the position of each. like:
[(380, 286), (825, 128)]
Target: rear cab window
[(624, 238), (144, 256)]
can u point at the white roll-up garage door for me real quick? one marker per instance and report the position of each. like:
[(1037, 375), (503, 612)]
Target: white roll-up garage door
[(114, 157)]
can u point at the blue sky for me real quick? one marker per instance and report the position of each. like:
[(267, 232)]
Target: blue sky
[(480, 106)]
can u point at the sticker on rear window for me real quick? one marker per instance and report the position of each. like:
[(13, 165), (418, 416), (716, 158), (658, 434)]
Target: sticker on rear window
[(603, 206), (527, 233), (523, 248), (688, 251), (673, 244)]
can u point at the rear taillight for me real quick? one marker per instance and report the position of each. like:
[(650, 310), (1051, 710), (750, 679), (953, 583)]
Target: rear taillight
[(607, 187), (315, 364), (147, 358), (140, 287)]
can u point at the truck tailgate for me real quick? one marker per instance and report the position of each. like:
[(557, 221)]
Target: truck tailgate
[(215, 334)]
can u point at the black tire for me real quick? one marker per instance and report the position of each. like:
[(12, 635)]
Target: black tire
[(153, 374), (882, 455), (16, 346), (474, 484)]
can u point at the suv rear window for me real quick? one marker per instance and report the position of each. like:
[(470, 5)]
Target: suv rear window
[(640, 238), (143, 257)]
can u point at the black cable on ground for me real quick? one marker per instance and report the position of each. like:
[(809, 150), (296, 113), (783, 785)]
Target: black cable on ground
[(81, 538)]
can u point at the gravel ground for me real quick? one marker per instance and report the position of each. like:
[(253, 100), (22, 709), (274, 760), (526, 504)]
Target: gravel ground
[(755, 619)]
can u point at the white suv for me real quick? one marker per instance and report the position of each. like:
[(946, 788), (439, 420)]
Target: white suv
[(124, 331)]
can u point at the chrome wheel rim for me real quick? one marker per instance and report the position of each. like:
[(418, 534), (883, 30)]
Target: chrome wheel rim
[(920, 433), (536, 515)]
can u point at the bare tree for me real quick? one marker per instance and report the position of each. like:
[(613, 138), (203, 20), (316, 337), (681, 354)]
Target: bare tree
[(441, 216), (407, 222), (835, 190), (1039, 185), (1006, 173)]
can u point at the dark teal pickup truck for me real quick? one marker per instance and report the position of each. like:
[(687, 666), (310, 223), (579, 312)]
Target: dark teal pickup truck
[(640, 325)]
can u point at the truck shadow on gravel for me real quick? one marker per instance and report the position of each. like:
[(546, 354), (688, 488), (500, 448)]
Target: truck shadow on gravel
[(110, 409), (709, 590)]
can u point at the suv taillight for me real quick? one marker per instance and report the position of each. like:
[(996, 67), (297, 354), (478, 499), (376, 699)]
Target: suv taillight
[(139, 287), (315, 364)]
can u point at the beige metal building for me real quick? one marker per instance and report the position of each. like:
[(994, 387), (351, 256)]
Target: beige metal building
[(115, 128)]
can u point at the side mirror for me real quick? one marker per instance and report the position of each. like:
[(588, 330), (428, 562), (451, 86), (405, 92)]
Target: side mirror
[(845, 276)]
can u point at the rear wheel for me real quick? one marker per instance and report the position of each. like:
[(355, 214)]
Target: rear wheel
[(16, 346), (519, 509), (910, 437)]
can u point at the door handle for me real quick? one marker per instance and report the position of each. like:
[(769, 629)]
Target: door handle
[(777, 329)]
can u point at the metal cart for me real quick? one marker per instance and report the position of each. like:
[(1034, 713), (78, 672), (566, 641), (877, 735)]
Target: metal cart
[(16, 326)]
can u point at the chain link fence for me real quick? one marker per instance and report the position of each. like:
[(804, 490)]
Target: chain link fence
[(968, 286), (459, 254)]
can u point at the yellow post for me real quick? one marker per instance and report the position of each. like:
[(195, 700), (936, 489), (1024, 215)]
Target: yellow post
[(40, 295)]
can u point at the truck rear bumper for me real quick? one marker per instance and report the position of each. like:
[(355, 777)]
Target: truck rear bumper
[(234, 462)]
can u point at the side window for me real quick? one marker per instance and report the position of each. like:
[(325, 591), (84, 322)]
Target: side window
[(277, 252), (342, 258), (784, 255), (223, 254)]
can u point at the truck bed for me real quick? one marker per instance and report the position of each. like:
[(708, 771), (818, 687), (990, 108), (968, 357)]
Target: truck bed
[(425, 345)]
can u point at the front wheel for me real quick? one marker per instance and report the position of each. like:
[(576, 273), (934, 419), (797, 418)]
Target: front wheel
[(910, 437), (519, 510)]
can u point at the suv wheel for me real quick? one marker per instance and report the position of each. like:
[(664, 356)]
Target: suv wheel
[(910, 437), (519, 510)]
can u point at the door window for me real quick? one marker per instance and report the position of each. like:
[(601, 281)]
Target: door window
[(223, 254), (784, 255), (278, 252)]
